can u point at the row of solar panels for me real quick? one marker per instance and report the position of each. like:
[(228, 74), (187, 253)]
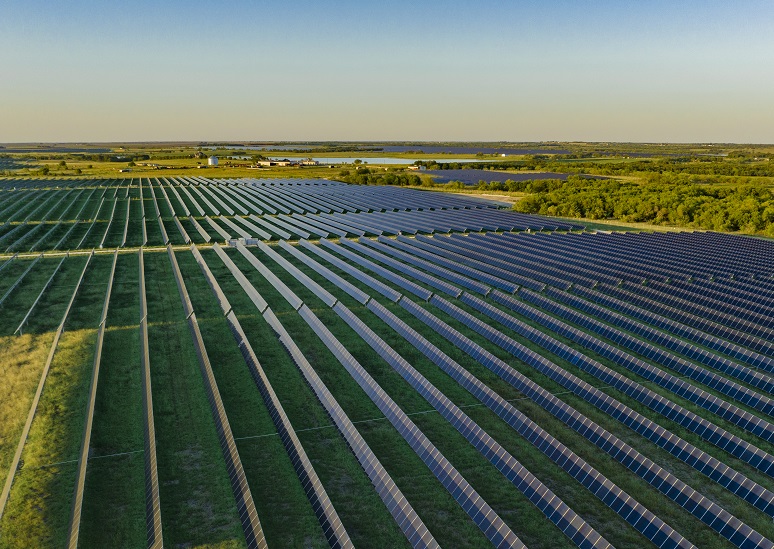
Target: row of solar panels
[(595, 368), (468, 247), (333, 529), (679, 329), (450, 335), (754, 497), (722, 474), (704, 247), (405, 516), (570, 523), (226, 197), (654, 354), (683, 366), (83, 457), (694, 352), (726, 410), (154, 536), (549, 503), (693, 254), (628, 261), (32, 183), (248, 516), (691, 320), (446, 258), (479, 511), (659, 478)]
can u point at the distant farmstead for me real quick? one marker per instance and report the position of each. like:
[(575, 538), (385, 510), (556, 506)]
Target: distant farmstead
[(212, 161)]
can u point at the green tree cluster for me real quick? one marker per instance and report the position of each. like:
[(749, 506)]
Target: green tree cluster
[(364, 176), (745, 208)]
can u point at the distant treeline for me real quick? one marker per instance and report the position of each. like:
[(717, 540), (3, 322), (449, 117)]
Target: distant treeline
[(705, 166), (107, 157), (364, 176), (708, 168), (744, 208)]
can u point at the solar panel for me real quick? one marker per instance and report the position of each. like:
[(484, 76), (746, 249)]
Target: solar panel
[(593, 432), (566, 519), (310, 284), (474, 505), (280, 286)]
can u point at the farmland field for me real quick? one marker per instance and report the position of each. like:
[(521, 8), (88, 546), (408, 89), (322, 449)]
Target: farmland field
[(194, 362)]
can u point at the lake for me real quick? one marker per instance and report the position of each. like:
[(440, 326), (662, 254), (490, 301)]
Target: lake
[(380, 160)]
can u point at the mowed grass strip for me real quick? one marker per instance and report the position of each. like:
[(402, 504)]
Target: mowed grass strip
[(114, 497), (362, 512), (134, 233), (38, 508), (116, 231), (22, 357), (197, 504), (278, 494)]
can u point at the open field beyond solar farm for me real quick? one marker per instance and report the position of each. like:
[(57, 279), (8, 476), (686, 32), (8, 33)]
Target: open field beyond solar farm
[(196, 362)]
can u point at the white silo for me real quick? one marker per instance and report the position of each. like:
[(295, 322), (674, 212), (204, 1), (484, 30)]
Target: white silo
[(212, 161)]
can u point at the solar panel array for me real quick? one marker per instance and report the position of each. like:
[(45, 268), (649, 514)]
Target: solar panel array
[(616, 386), (33, 215), (420, 249)]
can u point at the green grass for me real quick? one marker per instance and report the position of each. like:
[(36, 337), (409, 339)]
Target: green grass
[(197, 504), (22, 357), (114, 499), (38, 509)]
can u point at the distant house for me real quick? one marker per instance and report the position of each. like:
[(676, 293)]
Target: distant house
[(199, 154)]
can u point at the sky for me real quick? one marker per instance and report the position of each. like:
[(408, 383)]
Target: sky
[(563, 70)]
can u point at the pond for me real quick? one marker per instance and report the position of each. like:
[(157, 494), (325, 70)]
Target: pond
[(378, 160)]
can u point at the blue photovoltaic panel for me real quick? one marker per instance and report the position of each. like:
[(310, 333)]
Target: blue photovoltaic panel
[(280, 286), (350, 289), (380, 287), (479, 511), (639, 517), (310, 284), (636, 462), (405, 516), (381, 271), (744, 419), (713, 468), (403, 268)]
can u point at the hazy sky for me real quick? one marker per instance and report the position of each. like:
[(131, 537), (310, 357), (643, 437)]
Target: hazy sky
[(618, 70)]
